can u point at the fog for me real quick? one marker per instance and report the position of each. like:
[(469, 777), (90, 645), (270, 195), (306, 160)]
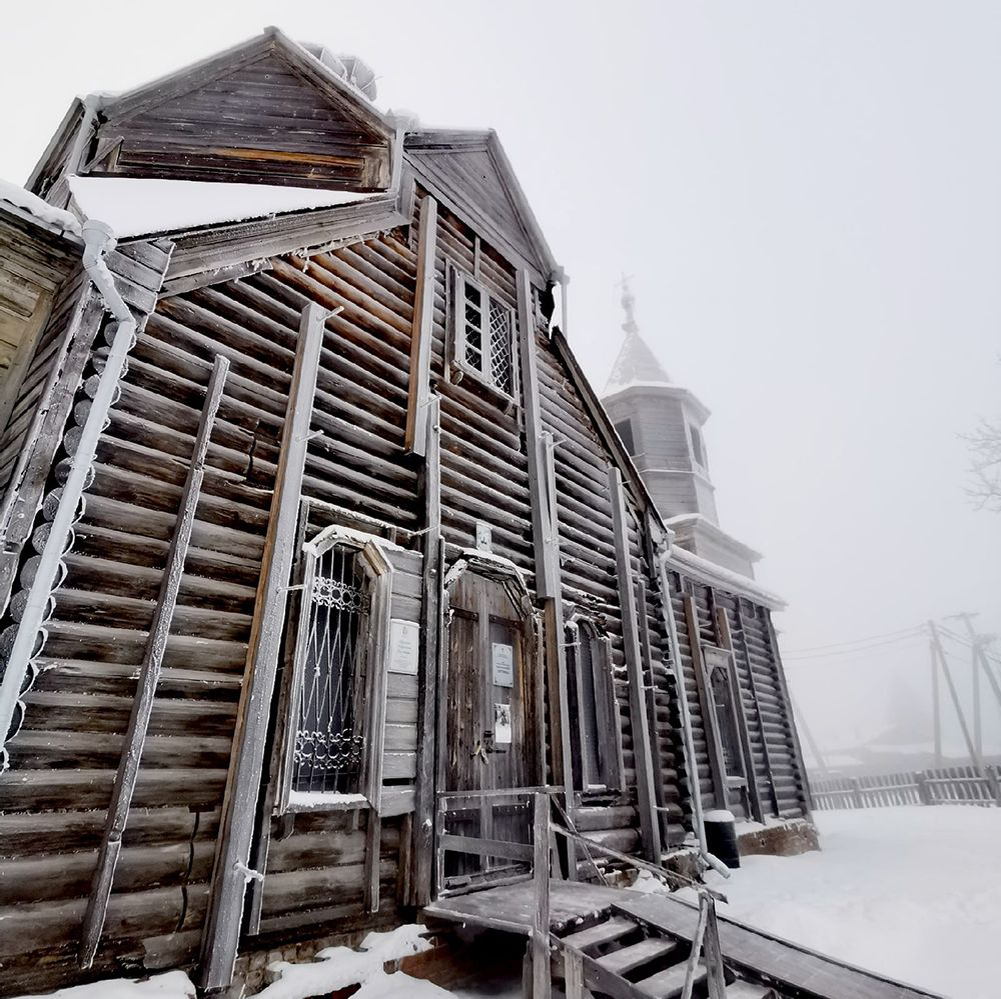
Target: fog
[(807, 199)]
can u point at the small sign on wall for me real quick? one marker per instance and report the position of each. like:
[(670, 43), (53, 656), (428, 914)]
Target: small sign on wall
[(502, 724), (404, 646), (503, 660)]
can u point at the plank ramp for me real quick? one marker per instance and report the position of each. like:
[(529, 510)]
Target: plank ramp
[(632, 945)]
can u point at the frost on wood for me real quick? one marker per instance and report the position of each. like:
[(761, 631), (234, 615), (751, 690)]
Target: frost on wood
[(39, 209)]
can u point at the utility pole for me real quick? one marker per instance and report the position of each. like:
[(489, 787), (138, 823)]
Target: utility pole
[(936, 707), (938, 651), (980, 643), (814, 747)]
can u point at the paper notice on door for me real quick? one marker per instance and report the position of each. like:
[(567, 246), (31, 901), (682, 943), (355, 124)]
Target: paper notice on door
[(502, 724), (404, 646), (503, 659)]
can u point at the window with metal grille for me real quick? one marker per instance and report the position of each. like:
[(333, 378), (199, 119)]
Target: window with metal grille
[(595, 747), (334, 742), (484, 334), (329, 735)]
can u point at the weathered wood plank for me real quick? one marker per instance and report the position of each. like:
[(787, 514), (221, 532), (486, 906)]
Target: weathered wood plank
[(128, 769), (222, 926)]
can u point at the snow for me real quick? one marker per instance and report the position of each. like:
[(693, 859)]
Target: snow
[(910, 892), (138, 206), (172, 985), (41, 210), (718, 815), (318, 799), (338, 967)]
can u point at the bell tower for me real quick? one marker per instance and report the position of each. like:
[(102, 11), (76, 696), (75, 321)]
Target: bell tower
[(661, 425)]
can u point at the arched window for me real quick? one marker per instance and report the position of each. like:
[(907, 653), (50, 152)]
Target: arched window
[(334, 742), (594, 714)]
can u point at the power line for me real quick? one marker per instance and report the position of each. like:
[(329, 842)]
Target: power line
[(905, 637), (858, 641), (858, 655)]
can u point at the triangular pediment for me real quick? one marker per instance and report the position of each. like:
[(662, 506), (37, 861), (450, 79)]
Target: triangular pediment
[(472, 170), (267, 111)]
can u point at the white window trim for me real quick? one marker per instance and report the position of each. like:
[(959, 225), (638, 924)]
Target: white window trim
[(459, 365), (379, 571)]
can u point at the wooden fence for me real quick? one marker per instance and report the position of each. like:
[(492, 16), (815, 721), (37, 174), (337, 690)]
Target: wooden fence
[(945, 786)]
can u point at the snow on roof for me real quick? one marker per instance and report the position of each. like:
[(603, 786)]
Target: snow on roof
[(138, 206), (41, 210), (636, 364), (710, 572)]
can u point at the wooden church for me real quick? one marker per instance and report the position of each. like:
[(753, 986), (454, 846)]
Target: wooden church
[(319, 553)]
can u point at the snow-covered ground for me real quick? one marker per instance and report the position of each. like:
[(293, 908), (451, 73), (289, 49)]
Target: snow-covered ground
[(913, 893)]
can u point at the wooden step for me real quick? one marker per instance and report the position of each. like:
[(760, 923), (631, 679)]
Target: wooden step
[(621, 962), (747, 990), (600, 934), (669, 983)]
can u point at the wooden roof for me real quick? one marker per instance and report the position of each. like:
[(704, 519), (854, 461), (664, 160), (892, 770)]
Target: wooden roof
[(471, 169), (264, 110)]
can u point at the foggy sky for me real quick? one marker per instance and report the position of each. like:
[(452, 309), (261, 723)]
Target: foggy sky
[(807, 198)]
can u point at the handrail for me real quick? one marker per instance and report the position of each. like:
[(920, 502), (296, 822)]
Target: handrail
[(680, 881)]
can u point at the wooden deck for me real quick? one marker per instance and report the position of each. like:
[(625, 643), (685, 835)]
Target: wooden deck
[(752, 954), (511, 907)]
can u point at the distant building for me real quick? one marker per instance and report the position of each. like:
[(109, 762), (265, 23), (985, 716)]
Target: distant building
[(661, 424)]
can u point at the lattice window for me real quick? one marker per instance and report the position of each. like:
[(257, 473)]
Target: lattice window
[(484, 335), (329, 750)]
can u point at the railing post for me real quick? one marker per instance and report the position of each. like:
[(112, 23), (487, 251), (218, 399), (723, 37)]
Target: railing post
[(857, 793), (924, 791), (541, 977), (713, 952)]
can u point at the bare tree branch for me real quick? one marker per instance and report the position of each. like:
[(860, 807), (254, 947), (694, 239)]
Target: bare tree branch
[(985, 465)]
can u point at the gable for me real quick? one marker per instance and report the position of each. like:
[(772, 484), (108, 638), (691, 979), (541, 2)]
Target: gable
[(475, 175), (271, 113)]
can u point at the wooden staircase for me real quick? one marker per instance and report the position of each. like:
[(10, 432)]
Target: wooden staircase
[(623, 958)]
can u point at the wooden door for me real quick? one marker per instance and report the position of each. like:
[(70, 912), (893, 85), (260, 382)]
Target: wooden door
[(491, 733)]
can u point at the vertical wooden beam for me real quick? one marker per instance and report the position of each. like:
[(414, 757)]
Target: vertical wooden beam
[(225, 913), (691, 757), (542, 987), (149, 674), (419, 394), (556, 653), (766, 752), (424, 801), (547, 576), (649, 826), (743, 730), (650, 692), (780, 676), (709, 724)]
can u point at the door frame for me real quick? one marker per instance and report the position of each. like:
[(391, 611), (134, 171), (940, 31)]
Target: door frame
[(505, 572)]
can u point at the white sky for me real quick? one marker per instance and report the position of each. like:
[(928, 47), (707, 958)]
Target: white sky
[(807, 198)]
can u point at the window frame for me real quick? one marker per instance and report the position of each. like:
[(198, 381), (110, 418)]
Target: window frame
[(715, 658), (459, 366), (607, 719), (374, 637), (697, 447)]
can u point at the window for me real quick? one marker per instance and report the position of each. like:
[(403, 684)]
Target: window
[(594, 715), (484, 334), (698, 445), (717, 662), (625, 431), (334, 741)]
